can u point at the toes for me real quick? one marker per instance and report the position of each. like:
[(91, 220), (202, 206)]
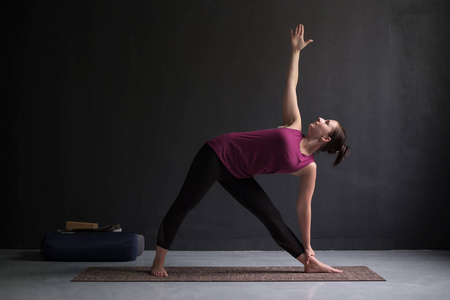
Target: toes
[(159, 274)]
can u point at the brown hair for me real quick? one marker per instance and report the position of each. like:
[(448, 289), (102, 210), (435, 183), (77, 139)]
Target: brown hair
[(337, 145)]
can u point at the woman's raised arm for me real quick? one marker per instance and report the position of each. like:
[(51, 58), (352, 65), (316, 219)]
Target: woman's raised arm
[(291, 112)]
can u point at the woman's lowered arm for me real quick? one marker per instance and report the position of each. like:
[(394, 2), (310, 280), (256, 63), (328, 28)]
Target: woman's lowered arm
[(305, 194)]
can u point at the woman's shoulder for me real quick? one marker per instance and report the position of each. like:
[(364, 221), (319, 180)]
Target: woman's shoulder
[(309, 170), (291, 127), (295, 126)]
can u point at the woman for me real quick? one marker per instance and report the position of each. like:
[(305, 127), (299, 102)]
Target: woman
[(233, 159)]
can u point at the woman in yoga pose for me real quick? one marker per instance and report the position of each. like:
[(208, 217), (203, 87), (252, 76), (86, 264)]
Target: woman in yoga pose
[(233, 159)]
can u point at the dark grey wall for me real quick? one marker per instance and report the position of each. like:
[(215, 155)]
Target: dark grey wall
[(108, 102)]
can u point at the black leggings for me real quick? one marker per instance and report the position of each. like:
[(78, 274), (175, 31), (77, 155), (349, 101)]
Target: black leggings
[(205, 170)]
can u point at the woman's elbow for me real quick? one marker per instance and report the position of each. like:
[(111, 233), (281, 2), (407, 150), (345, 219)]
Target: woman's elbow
[(303, 207)]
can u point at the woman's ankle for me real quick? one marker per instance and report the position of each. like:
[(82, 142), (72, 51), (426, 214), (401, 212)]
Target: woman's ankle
[(160, 255), (302, 259)]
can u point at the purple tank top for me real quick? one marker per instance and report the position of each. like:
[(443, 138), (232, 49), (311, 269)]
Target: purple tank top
[(267, 151)]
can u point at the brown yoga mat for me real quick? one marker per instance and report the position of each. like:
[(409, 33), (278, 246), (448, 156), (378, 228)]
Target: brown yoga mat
[(225, 274)]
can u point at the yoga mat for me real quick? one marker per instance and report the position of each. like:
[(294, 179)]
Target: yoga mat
[(224, 274)]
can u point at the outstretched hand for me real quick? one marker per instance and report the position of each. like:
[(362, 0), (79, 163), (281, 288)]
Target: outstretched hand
[(297, 41)]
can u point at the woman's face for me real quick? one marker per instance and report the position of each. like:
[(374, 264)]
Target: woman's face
[(322, 127)]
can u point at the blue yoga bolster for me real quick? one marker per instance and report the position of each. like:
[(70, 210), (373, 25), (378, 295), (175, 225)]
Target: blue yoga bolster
[(90, 246)]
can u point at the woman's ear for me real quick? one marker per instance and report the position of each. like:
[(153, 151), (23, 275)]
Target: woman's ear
[(326, 139)]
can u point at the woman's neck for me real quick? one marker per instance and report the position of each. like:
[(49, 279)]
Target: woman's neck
[(309, 146)]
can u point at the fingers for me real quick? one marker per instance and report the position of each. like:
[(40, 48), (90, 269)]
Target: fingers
[(299, 33), (299, 30)]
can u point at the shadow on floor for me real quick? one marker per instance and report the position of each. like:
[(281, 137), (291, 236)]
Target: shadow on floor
[(30, 255)]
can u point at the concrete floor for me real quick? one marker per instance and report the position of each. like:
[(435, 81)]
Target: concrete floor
[(410, 275)]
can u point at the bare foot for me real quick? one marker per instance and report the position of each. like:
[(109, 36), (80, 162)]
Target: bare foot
[(315, 266), (158, 270), (158, 263)]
